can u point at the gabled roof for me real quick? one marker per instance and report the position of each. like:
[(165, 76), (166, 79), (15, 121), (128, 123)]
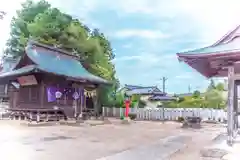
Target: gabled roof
[(130, 87), (151, 90), (212, 61), (162, 98), (228, 36), (21, 71), (184, 94), (51, 60), (229, 46), (228, 43)]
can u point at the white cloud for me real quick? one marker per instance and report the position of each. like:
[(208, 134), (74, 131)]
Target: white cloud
[(127, 45), (128, 58), (148, 61), (140, 33), (209, 20), (184, 76), (80, 10), (147, 57), (213, 17)]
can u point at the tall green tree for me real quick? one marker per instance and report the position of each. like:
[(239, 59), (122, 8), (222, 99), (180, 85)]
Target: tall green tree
[(220, 86), (214, 99), (19, 26), (196, 94), (41, 22), (211, 85), (214, 95)]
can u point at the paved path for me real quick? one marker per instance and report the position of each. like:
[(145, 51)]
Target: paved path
[(234, 151), (158, 151)]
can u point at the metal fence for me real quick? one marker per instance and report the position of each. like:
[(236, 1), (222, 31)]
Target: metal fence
[(168, 113)]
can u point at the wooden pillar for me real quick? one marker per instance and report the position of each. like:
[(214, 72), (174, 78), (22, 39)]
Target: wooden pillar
[(75, 104), (96, 102), (81, 100), (230, 106), (11, 96), (235, 108), (15, 99), (41, 90), (6, 89), (85, 100)]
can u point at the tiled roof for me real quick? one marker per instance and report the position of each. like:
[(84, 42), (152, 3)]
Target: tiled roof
[(23, 70), (184, 94), (130, 87), (230, 46), (162, 98), (187, 94), (46, 59), (228, 36), (228, 43), (144, 91), (226, 50)]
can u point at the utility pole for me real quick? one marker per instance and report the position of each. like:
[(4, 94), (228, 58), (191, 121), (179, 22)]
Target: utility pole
[(164, 79), (189, 88)]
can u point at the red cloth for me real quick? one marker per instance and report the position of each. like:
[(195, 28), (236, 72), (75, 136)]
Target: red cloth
[(127, 104)]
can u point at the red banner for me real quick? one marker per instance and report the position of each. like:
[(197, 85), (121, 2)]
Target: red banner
[(127, 104)]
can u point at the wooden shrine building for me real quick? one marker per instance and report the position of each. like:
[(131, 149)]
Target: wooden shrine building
[(46, 78), (7, 65), (221, 59)]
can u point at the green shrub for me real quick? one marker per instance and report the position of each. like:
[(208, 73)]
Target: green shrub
[(180, 119), (141, 104), (132, 116)]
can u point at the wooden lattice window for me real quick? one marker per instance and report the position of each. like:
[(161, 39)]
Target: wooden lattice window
[(34, 94), (29, 94), (24, 94)]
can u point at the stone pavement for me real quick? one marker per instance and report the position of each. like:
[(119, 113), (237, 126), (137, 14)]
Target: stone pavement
[(219, 150), (158, 151), (234, 152)]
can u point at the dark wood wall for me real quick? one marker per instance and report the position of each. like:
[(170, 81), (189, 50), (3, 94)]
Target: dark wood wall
[(35, 96), (3, 91)]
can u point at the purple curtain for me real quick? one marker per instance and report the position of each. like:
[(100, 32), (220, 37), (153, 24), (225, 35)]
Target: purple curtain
[(51, 90), (68, 92), (51, 93)]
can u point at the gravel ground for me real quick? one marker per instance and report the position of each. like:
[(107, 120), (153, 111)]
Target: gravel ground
[(19, 142)]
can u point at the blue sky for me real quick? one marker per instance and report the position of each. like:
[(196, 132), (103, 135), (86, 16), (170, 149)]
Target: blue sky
[(147, 34)]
